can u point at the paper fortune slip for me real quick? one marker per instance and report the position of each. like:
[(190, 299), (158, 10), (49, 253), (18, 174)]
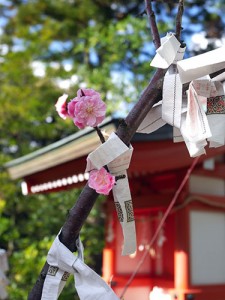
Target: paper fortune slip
[(169, 111), (199, 116), (153, 120), (201, 65), (89, 285), (116, 155), (167, 52)]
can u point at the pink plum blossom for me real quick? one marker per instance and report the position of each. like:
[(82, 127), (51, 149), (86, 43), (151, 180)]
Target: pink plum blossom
[(87, 109), (61, 106), (101, 181)]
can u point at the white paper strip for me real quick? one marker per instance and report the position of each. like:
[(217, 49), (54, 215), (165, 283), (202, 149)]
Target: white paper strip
[(116, 155), (172, 99), (172, 93), (201, 65), (105, 153), (89, 285), (169, 112), (167, 52), (197, 128), (153, 120), (216, 119), (177, 136)]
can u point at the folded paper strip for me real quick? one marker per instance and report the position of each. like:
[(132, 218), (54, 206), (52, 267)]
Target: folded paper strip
[(116, 155), (198, 117), (62, 262)]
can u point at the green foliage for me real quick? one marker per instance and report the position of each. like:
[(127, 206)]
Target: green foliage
[(30, 231)]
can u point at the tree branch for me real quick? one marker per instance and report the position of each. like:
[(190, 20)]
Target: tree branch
[(152, 22), (126, 130), (179, 19), (80, 211)]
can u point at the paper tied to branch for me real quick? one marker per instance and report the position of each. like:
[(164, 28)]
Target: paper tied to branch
[(216, 112), (169, 110), (198, 117), (201, 65), (216, 118), (172, 93), (153, 120), (166, 53), (204, 120), (116, 155), (89, 285)]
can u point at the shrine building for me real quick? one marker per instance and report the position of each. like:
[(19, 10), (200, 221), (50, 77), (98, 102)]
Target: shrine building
[(187, 260)]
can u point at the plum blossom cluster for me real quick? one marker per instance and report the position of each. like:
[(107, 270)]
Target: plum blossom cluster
[(87, 109), (101, 181)]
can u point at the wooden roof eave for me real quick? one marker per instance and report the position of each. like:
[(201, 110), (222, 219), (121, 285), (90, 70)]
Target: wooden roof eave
[(75, 146)]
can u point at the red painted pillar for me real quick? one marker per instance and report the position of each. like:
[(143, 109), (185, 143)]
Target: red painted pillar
[(181, 254), (108, 264), (108, 259)]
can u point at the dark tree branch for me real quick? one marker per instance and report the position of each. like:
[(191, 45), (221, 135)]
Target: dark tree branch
[(126, 130), (80, 211), (217, 73), (153, 24), (101, 136), (179, 19)]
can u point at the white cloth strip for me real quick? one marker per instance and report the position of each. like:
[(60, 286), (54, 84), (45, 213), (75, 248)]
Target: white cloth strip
[(116, 155), (201, 65), (89, 285)]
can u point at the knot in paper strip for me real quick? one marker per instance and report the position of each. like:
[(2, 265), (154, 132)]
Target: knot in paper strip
[(172, 93), (89, 285), (169, 110), (198, 117), (116, 155), (166, 53)]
